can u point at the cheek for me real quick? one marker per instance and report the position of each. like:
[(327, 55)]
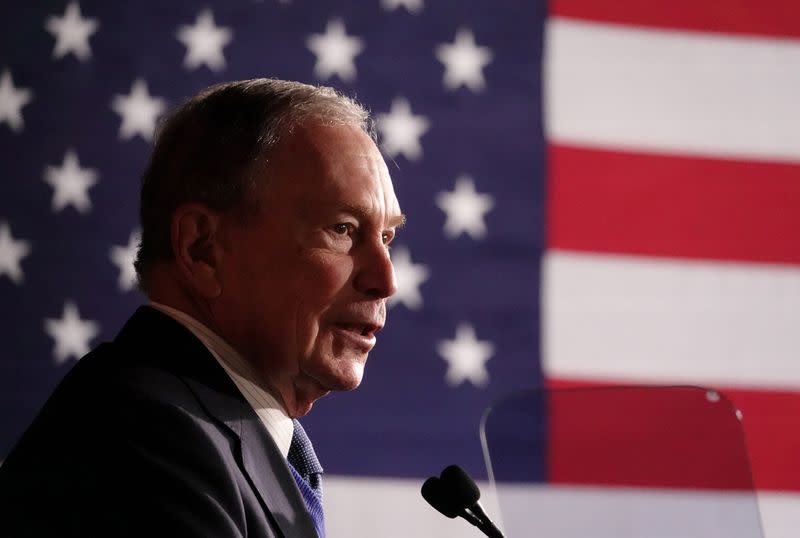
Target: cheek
[(326, 278), (320, 286)]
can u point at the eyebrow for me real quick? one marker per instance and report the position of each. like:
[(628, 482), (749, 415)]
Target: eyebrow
[(398, 221), (395, 222)]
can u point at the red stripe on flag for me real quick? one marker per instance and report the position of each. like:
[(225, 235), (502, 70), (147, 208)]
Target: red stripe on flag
[(772, 424), (779, 18), (663, 205), (645, 437), (771, 431)]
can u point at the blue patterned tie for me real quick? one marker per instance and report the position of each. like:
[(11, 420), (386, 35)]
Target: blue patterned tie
[(307, 473)]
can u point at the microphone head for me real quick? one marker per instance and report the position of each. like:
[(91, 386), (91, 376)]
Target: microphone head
[(438, 496), (459, 486)]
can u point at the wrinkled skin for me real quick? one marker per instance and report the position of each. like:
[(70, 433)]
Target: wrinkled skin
[(303, 285)]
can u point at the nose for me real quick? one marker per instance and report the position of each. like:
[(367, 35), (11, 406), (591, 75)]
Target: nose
[(375, 276)]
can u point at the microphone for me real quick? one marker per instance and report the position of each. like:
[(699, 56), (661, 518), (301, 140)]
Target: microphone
[(437, 495), (455, 494)]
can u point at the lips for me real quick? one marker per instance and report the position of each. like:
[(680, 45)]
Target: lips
[(365, 328), (359, 334)]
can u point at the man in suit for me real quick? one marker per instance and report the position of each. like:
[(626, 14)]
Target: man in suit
[(266, 213)]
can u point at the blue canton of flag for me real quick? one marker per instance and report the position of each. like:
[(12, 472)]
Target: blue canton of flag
[(455, 89)]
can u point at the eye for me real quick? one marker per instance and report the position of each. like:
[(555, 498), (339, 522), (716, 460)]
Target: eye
[(387, 237), (344, 228)]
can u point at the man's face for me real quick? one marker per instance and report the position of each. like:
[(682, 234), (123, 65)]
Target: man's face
[(305, 282)]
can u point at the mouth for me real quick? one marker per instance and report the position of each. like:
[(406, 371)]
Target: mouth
[(364, 329), (360, 334)]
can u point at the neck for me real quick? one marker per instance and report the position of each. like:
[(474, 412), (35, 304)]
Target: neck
[(163, 288)]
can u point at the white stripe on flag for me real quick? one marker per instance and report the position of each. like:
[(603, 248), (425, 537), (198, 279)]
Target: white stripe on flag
[(609, 512), (390, 508), (609, 317), (780, 514), (672, 91), (393, 508)]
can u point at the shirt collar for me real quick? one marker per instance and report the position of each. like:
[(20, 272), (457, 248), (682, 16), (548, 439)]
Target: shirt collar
[(267, 407)]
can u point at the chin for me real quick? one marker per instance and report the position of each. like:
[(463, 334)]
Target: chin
[(346, 375), (356, 375)]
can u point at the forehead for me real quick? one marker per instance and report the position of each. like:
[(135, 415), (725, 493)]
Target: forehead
[(319, 165)]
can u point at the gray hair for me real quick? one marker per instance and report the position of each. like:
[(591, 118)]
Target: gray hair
[(214, 149)]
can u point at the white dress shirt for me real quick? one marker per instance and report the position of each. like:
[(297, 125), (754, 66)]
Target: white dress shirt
[(272, 414)]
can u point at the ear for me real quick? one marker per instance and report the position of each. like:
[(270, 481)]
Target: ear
[(195, 240)]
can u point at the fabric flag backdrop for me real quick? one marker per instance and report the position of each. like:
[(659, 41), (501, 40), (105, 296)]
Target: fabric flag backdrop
[(597, 192)]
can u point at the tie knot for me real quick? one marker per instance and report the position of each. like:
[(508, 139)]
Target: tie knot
[(301, 453)]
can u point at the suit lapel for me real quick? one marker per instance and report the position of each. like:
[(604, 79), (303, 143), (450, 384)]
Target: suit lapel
[(272, 479), (259, 457)]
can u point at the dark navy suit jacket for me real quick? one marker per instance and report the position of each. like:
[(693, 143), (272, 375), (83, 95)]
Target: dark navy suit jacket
[(148, 436)]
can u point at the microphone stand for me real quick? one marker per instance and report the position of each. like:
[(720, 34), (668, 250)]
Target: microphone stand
[(475, 515)]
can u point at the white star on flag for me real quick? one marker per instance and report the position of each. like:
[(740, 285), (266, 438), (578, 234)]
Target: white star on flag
[(11, 253), (464, 62), (412, 6), (70, 183), (139, 111), (409, 277), (401, 130), (123, 258), (465, 209), (11, 101), (72, 335), (204, 42), (335, 52), (72, 33), (466, 357)]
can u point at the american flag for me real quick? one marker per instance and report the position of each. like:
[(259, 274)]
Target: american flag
[(597, 192)]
